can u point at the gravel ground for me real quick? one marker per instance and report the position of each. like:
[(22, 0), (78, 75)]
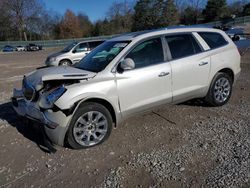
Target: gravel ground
[(186, 145)]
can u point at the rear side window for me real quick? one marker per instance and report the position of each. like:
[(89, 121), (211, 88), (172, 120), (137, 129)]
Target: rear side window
[(182, 45), (214, 40), (94, 44)]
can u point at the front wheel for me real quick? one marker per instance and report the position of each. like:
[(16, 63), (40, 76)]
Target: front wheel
[(65, 63), (220, 90), (91, 125)]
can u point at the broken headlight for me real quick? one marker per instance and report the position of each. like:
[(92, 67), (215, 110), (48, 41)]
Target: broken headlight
[(52, 96)]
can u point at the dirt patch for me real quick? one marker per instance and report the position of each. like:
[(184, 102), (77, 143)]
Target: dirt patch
[(186, 145)]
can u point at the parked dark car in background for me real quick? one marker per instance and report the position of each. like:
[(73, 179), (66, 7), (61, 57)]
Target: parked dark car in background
[(9, 48), (33, 47), (235, 33)]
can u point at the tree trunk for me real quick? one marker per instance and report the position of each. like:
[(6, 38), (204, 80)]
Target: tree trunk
[(25, 36), (20, 34)]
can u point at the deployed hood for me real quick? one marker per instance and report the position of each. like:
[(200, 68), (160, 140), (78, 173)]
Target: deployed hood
[(57, 73)]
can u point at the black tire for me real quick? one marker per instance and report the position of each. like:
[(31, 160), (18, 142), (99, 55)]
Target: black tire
[(65, 63), (218, 95), (70, 139)]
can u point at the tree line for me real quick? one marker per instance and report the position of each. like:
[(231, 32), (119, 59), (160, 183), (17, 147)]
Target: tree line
[(29, 19)]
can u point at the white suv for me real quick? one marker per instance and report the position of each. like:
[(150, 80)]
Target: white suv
[(125, 75), (72, 54)]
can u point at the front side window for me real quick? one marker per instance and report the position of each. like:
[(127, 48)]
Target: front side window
[(69, 47), (101, 56), (182, 45), (214, 40), (147, 53)]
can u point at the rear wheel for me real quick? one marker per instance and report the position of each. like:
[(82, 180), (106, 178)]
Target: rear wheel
[(65, 63), (90, 126), (220, 90)]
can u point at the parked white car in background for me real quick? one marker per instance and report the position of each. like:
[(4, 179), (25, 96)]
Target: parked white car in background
[(20, 48), (72, 54), (126, 75)]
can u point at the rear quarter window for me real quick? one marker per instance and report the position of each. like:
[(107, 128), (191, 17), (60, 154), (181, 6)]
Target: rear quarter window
[(214, 40)]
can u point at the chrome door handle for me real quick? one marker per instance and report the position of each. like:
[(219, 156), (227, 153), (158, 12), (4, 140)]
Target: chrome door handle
[(203, 63), (163, 74)]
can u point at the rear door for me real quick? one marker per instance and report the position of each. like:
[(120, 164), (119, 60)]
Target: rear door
[(190, 66)]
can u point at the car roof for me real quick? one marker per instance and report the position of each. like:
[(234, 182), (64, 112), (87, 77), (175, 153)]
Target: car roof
[(167, 30), (93, 40)]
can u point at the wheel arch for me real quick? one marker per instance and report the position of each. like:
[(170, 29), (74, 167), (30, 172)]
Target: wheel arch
[(229, 72), (65, 59), (103, 102), (226, 70)]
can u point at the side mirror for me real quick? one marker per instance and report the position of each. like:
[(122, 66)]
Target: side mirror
[(127, 64)]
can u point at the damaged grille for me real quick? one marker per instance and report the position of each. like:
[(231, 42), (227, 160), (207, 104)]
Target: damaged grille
[(28, 90)]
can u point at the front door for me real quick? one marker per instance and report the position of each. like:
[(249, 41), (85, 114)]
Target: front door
[(149, 83), (80, 51)]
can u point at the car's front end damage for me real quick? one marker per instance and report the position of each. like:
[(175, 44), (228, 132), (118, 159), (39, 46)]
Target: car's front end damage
[(40, 90)]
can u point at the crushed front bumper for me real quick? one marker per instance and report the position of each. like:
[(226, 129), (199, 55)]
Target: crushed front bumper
[(55, 123), (30, 110)]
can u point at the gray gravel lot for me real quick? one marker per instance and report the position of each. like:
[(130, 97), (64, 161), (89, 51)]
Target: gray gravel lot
[(185, 145)]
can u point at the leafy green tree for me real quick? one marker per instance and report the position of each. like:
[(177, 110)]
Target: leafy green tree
[(96, 29), (151, 14), (147, 15), (236, 8), (215, 10), (170, 14), (189, 16), (5, 22), (246, 10), (85, 24), (102, 27)]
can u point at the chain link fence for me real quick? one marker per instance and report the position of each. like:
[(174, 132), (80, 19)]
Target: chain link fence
[(51, 43), (231, 22)]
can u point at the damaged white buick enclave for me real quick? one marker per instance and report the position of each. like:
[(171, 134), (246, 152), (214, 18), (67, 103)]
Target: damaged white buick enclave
[(130, 73)]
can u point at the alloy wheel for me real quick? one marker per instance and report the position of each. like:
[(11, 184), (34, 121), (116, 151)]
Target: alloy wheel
[(222, 89), (90, 128)]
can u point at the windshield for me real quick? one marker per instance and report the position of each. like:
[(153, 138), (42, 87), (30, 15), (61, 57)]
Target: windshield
[(101, 56), (69, 47)]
